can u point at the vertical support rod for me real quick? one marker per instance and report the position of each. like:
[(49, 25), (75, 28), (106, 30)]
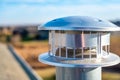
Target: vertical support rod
[(108, 49), (60, 38), (74, 52), (50, 47), (82, 37), (53, 42), (66, 73), (82, 53), (90, 56), (66, 52), (99, 46)]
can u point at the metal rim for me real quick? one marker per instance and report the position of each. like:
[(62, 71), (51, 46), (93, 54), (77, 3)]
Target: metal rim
[(51, 60), (79, 29)]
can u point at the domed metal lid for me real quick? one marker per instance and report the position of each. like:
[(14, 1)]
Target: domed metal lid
[(81, 23)]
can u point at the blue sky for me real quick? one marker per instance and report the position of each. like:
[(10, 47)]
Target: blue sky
[(38, 11)]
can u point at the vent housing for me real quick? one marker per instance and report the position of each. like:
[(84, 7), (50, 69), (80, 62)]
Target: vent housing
[(79, 41)]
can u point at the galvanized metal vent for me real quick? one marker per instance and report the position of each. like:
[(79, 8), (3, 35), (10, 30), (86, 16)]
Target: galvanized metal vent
[(79, 41), (79, 44)]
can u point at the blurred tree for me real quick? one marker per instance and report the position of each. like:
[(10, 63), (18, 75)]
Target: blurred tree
[(41, 35), (22, 32)]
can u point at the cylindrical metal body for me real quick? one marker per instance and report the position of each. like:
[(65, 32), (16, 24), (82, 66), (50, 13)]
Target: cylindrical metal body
[(66, 73)]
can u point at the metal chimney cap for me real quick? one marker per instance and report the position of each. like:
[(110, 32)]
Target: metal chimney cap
[(81, 23)]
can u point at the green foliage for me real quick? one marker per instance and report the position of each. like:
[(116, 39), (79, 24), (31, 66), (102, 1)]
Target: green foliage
[(8, 38), (27, 38)]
